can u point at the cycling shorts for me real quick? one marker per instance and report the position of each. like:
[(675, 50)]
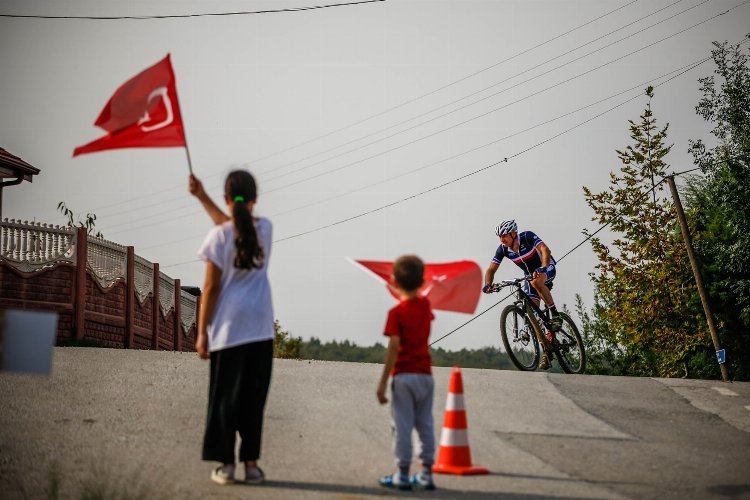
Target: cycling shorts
[(531, 291)]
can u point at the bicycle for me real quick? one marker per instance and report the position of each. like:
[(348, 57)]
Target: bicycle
[(523, 335)]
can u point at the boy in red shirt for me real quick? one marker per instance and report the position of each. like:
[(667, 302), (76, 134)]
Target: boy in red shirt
[(408, 360)]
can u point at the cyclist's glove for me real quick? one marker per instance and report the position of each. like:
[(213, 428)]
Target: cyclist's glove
[(487, 288), (541, 270)]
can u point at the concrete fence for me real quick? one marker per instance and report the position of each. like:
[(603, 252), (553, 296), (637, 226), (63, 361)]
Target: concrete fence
[(102, 291)]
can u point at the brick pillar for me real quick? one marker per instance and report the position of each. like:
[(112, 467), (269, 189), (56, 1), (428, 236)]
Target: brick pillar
[(177, 344), (156, 315), (129, 298), (79, 290)]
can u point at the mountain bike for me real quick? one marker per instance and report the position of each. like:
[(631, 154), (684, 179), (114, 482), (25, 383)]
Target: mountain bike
[(526, 331)]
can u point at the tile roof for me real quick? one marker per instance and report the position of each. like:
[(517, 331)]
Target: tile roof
[(11, 166)]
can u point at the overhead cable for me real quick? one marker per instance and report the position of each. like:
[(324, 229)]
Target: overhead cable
[(370, 134), (679, 72), (182, 16), (405, 103)]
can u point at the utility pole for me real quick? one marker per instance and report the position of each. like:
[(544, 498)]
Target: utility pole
[(697, 273)]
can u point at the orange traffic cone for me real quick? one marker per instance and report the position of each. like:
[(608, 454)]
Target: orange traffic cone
[(454, 455)]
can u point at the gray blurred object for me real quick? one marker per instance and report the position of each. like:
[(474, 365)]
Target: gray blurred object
[(26, 341)]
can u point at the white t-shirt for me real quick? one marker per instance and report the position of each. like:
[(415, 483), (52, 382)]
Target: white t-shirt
[(244, 312)]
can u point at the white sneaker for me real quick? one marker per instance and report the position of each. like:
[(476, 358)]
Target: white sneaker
[(223, 474)]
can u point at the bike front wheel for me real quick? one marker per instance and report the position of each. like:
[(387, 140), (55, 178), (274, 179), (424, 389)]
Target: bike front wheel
[(569, 348), (518, 338)]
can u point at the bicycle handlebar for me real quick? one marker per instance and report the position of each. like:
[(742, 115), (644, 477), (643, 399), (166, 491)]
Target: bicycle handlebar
[(496, 287)]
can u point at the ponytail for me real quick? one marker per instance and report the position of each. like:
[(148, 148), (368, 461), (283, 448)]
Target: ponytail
[(240, 187)]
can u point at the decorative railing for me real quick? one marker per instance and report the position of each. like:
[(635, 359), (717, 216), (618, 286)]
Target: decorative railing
[(144, 278), (107, 260), (166, 292), (188, 309), (31, 247)]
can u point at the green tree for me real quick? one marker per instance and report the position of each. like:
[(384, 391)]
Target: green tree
[(644, 321), (284, 345), (718, 202)]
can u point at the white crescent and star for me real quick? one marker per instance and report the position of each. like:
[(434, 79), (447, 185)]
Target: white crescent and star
[(146, 118)]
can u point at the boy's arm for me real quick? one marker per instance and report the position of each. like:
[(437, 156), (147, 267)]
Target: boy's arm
[(390, 361), (195, 187)]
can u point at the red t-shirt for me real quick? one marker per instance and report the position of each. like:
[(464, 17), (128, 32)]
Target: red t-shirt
[(410, 320)]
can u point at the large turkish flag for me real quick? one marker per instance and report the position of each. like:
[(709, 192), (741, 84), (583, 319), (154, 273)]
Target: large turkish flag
[(142, 113), (450, 286)]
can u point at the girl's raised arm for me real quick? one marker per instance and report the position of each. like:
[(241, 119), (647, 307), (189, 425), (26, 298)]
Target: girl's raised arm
[(195, 187)]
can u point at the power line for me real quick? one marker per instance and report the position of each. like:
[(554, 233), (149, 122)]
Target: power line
[(513, 102), (182, 16), (405, 103), (491, 111), (342, 167), (698, 63), (361, 188), (504, 160), (474, 149), (395, 148), (482, 90)]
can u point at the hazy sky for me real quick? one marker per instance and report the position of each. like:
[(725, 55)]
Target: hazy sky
[(341, 111)]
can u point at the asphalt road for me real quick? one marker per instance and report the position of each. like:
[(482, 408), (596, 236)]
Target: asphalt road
[(128, 424)]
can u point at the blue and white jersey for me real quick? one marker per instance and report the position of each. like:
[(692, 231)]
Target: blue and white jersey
[(528, 257)]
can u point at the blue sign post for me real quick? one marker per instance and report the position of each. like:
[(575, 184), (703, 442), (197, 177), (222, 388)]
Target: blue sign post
[(721, 356)]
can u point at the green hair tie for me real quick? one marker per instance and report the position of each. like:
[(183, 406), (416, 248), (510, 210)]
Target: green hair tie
[(239, 198)]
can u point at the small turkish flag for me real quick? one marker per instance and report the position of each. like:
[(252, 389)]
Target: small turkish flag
[(451, 286), (142, 113)]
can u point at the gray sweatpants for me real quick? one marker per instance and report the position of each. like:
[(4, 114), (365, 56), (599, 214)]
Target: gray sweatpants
[(411, 408)]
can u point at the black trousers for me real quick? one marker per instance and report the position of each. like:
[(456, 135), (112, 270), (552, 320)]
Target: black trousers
[(237, 392)]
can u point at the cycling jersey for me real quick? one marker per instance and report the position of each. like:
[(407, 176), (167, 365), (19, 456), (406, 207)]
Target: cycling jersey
[(528, 258)]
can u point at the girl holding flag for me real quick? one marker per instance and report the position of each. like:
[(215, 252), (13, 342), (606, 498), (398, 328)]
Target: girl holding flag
[(235, 327)]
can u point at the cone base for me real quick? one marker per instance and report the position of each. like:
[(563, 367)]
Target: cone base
[(460, 470)]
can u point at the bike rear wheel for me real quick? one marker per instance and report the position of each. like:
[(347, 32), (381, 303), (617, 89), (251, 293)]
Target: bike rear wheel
[(568, 348), (519, 339)]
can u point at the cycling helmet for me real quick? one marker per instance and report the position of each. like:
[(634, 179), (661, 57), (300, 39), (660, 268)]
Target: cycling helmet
[(507, 227)]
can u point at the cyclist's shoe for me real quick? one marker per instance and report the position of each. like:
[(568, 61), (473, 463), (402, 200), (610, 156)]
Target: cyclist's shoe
[(556, 323), (544, 364), (395, 481), (422, 481)]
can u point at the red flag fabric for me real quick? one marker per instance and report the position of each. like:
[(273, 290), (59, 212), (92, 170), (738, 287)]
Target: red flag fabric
[(450, 286), (142, 113)]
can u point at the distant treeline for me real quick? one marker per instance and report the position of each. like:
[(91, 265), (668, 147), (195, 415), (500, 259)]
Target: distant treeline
[(287, 346), (487, 357)]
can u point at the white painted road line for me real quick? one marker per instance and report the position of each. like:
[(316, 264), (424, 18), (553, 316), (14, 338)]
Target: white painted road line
[(724, 391), (747, 407)]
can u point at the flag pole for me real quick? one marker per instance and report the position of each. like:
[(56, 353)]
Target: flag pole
[(184, 134), (187, 151)]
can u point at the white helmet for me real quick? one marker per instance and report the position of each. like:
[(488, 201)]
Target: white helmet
[(507, 227)]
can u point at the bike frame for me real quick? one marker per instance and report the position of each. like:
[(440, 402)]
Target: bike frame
[(529, 306)]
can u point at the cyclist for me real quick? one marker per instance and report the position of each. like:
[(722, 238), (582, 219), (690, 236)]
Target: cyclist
[(529, 252)]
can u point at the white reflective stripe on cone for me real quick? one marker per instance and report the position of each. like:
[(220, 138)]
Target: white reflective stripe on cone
[(454, 437), (455, 402)]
